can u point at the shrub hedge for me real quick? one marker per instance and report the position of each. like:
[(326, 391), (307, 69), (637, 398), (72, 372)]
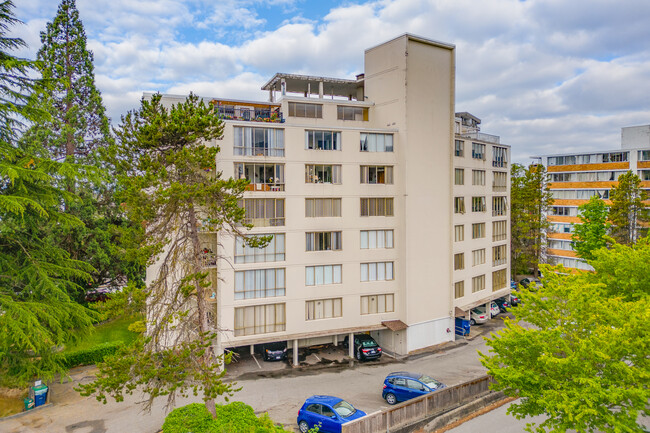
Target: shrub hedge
[(91, 355), (236, 417)]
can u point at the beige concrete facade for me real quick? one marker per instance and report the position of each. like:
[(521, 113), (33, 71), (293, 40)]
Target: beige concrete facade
[(406, 95)]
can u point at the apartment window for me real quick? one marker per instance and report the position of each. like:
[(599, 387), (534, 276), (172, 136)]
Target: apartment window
[(499, 230), (644, 175), (322, 207), (615, 157), (459, 176), (371, 239), (644, 155), (500, 182), (260, 319), (322, 174), (322, 275), (459, 261), (376, 142), (478, 283), (263, 177), (459, 204), (259, 283), (478, 177), (478, 204), (272, 252), (478, 151), (299, 109), (499, 279), (459, 233), (478, 257), (459, 147), (322, 140), (378, 271), (323, 309), (499, 255), (377, 174), (561, 211), (351, 113), (459, 289), (499, 206), (323, 241), (263, 212), (499, 156), (478, 230), (258, 141), (375, 304), (377, 206)]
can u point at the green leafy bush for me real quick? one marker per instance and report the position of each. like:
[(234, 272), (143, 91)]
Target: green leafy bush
[(236, 417), (91, 355)]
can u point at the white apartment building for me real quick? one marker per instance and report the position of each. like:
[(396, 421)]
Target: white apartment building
[(355, 181), (575, 177), (481, 216)]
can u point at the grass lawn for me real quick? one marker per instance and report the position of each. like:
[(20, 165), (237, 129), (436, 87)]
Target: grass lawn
[(114, 330)]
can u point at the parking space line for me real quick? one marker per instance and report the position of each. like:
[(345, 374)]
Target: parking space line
[(258, 364), (316, 357)]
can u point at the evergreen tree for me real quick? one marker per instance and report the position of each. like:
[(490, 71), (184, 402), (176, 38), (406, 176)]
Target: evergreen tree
[(78, 131), (591, 233), (530, 200), (36, 313), (163, 153), (78, 125), (628, 212)]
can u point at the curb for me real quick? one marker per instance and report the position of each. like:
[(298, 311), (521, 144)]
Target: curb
[(25, 412)]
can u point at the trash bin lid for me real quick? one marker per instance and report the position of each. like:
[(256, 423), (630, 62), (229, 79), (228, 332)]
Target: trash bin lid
[(40, 388)]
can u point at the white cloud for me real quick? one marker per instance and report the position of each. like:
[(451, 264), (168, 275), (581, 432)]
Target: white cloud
[(546, 75)]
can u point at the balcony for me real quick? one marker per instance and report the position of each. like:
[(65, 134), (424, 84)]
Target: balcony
[(252, 114), (265, 187), (494, 139)]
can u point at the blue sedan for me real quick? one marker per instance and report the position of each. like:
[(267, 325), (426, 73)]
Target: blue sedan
[(402, 386), (327, 412)]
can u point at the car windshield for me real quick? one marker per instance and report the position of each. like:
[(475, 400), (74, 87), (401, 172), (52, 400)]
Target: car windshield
[(368, 343), (344, 409), (430, 382)]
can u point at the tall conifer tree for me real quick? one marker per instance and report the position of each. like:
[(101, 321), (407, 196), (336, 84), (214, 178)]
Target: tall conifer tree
[(78, 131), (78, 124), (36, 313)]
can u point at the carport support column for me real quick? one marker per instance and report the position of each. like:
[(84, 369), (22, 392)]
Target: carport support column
[(252, 349), (488, 311), (295, 353), (351, 345)]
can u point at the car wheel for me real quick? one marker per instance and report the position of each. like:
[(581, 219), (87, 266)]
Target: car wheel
[(390, 398), (472, 322), (303, 426)]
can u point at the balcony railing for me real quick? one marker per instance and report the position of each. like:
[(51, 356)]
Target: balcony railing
[(250, 114), (494, 139), (265, 187), (265, 222)]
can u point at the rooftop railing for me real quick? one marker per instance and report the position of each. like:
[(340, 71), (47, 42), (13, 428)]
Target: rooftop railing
[(494, 139), (250, 114)]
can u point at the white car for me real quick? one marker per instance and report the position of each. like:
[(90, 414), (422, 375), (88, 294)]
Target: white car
[(494, 309), (477, 317)]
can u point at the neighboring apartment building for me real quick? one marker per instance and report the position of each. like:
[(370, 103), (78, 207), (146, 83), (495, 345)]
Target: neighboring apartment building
[(481, 215), (575, 177), (354, 178)]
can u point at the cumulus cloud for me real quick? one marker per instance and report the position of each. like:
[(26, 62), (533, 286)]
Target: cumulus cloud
[(546, 75)]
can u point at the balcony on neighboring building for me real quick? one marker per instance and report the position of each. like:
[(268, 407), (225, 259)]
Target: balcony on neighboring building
[(248, 111)]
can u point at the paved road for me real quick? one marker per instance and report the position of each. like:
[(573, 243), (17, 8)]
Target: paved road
[(281, 396)]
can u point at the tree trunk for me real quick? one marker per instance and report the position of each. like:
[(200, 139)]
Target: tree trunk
[(209, 357)]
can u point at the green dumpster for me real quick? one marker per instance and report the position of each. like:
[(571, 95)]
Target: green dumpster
[(29, 403)]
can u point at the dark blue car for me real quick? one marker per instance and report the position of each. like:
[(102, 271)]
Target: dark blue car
[(327, 412), (402, 386)]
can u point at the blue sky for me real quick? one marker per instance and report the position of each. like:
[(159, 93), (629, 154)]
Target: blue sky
[(546, 75)]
